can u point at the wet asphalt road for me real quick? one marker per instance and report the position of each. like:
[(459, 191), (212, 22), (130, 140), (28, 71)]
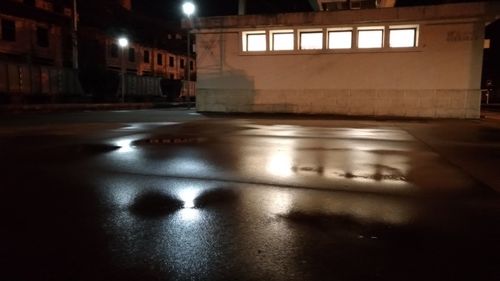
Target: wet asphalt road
[(172, 195)]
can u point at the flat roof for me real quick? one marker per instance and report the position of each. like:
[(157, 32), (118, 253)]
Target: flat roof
[(482, 11)]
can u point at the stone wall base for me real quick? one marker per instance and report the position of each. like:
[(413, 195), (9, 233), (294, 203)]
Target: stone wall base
[(463, 104)]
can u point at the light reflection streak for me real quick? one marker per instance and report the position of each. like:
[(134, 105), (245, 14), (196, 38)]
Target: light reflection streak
[(125, 145), (280, 164), (188, 196), (189, 214), (280, 202)]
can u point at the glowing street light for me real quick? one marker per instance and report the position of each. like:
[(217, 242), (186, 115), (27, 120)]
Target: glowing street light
[(123, 43), (188, 8)]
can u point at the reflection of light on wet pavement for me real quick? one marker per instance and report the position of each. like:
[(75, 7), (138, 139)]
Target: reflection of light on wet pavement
[(188, 195), (279, 202), (122, 194), (189, 214), (280, 164), (188, 165), (143, 126), (125, 145)]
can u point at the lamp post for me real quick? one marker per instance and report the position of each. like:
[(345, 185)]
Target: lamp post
[(123, 43), (74, 35), (188, 8)]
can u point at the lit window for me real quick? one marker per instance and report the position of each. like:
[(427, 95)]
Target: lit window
[(254, 41), (282, 40), (402, 37), (311, 40), (341, 39), (370, 38)]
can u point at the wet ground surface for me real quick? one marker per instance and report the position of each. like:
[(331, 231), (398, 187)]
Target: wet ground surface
[(172, 195)]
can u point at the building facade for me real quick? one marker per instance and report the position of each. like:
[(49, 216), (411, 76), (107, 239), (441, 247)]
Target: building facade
[(34, 32), (413, 62), (35, 48)]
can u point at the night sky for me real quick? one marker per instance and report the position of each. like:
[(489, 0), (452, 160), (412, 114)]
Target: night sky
[(170, 9)]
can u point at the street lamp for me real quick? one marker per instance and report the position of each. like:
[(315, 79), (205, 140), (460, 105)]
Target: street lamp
[(188, 8), (123, 43)]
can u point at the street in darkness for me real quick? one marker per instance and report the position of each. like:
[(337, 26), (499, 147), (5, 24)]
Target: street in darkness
[(175, 195)]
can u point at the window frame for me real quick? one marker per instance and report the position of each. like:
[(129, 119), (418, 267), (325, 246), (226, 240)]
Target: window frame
[(131, 54), (310, 31), (159, 59), (272, 40), (415, 29), (340, 30), (113, 50), (245, 40), (359, 30), (146, 56), (13, 37), (45, 31)]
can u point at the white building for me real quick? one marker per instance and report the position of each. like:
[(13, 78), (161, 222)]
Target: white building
[(413, 62)]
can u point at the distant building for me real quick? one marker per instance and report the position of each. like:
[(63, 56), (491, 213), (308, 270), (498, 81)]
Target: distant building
[(415, 62), (35, 32), (156, 48), (36, 49)]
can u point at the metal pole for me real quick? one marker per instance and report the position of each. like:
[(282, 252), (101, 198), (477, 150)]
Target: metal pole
[(123, 74), (188, 63), (74, 35), (242, 7)]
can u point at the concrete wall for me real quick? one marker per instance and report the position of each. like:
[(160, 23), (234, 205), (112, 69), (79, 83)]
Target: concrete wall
[(439, 78)]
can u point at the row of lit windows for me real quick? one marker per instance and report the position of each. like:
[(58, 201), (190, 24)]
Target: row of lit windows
[(370, 37)]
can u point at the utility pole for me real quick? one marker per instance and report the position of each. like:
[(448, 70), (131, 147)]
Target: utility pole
[(74, 35), (242, 7)]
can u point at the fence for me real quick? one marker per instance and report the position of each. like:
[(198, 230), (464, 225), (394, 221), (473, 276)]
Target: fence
[(142, 86), (36, 80)]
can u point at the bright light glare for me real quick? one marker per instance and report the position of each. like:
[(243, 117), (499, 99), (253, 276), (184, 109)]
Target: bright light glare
[(311, 40), (282, 41), (189, 214), (370, 38), (340, 40), (123, 42), (400, 38), (125, 145), (280, 164), (256, 42), (188, 195), (188, 8)]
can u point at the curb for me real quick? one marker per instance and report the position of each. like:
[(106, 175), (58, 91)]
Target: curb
[(87, 107)]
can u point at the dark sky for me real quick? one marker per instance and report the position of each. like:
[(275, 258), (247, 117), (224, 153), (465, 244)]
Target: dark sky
[(171, 9)]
